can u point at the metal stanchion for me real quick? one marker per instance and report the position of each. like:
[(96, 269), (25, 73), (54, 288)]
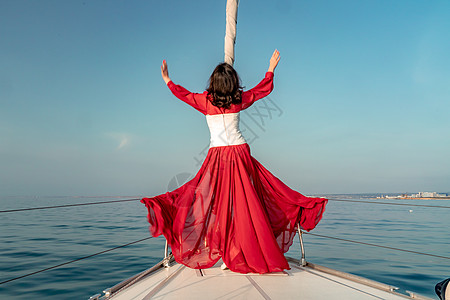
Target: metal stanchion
[(300, 236)]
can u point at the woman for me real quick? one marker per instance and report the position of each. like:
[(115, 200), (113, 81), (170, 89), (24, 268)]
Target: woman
[(233, 208)]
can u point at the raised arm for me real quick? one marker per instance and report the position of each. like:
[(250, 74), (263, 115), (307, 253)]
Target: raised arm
[(197, 101), (263, 88)]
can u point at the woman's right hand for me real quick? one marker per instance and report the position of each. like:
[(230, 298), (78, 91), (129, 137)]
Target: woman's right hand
[(165, 72), (274, 60)]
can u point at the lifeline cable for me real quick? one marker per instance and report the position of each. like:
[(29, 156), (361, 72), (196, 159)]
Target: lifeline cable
[(390, 203), (75, 260), (66, 205), (124, 200), (380, 246)]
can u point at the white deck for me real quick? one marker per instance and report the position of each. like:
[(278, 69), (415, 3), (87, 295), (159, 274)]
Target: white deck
[(180, 282)]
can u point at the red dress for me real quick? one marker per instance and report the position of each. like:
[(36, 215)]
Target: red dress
[(233, 208)]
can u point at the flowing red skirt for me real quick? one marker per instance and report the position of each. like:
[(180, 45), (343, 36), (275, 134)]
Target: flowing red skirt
[(233, 209)]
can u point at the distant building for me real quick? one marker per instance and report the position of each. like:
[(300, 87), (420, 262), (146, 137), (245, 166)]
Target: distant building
[(415, 196), (428, 195)]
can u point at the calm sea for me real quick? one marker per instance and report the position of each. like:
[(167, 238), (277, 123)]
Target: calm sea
[(34, 240)]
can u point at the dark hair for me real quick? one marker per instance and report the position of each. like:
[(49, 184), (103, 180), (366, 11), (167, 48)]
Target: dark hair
[(224, 86)]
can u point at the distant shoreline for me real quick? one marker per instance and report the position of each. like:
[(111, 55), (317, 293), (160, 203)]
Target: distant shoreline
[(415, 198)]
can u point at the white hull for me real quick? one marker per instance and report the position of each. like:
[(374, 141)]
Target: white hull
[(309, 282)]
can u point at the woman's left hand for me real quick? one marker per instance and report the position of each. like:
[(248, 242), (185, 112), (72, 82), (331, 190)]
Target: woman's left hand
[(165, 72)]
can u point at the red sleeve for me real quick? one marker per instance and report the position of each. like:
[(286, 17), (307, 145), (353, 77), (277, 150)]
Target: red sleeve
[(197, 101), (263, 89)]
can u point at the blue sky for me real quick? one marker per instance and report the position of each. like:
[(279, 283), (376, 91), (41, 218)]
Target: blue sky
[(362, 92)]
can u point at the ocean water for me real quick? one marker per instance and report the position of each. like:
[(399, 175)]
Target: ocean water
[(34, 240)]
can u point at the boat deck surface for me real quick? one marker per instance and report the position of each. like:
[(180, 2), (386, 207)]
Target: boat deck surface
[(310, 282)]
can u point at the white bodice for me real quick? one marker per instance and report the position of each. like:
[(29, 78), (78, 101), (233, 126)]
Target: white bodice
[(224, 129)]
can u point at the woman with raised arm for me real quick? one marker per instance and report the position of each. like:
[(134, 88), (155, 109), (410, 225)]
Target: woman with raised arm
[(233, 208)]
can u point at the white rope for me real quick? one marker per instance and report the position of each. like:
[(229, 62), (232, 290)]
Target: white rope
[(230, 31)]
